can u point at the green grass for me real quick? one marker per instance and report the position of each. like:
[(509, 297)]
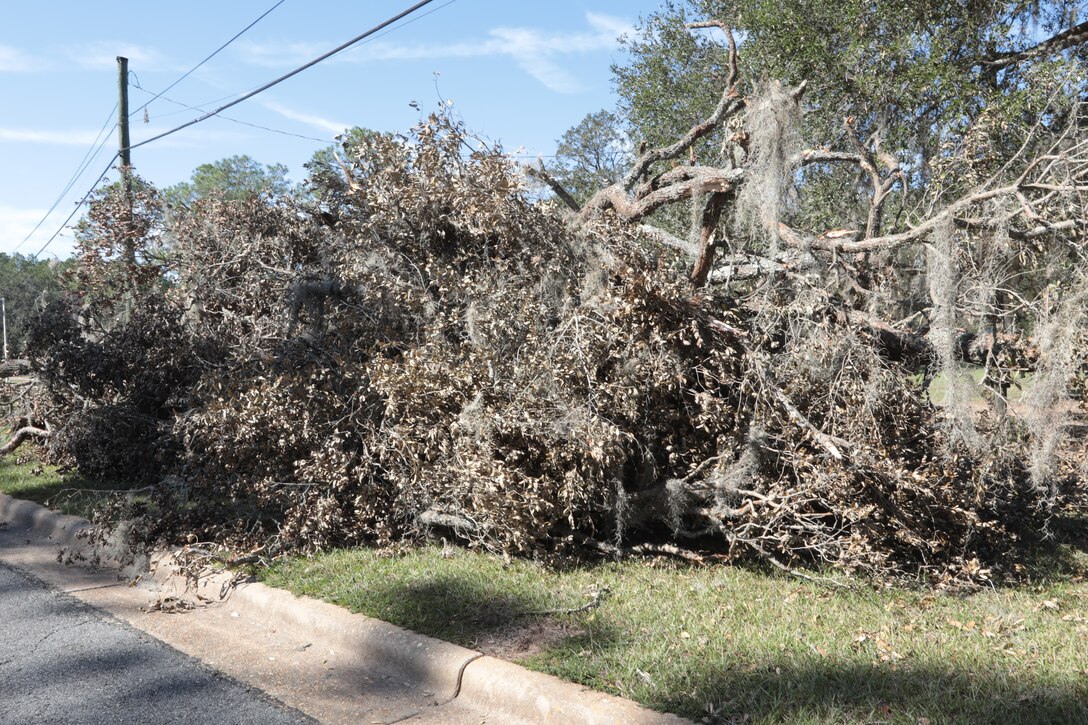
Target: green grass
[(938, 386), (69, 493), (739, 644), (743, 644)]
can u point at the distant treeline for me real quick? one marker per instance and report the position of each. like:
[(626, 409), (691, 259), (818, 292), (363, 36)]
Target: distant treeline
[(23, 284)]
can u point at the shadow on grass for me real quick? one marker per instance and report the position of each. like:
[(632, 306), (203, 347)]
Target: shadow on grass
[(473, 614), (1061, 555), (820, 691)]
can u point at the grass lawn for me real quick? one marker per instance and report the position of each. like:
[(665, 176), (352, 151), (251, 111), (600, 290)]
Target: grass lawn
[(42, 484), (731, 643), (938, 387), (737, 644)]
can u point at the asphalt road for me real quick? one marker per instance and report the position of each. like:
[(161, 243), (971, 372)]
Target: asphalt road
[(62, 661)]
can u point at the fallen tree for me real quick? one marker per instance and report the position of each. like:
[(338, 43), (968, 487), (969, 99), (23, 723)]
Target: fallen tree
[(444, 351)]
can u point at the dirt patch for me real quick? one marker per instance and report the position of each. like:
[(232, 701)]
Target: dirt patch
[(522, 641)]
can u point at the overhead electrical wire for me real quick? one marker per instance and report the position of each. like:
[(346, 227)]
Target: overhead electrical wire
[(200, 106), (210, 114), (214, 53), (79, 205), (88, 158), (236, 120), (96, 145), (285, 76)]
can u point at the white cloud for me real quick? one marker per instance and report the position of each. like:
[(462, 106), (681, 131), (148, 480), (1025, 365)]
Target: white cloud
[(45, 136), (535, 51), (13, 60), (102, 55), (609, 25), (332, 127), (16, 223), (278, 55)]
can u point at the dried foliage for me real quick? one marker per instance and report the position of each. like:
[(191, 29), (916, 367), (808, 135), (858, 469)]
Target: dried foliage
[(432, 349)]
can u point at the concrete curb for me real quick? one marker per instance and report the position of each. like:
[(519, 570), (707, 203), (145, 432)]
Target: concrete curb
[(41, 522), (447, 670), (497, 685), (433, 663)]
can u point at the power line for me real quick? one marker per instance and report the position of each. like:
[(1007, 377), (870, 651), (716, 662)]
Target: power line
[(376, 29), (80, 204), (195, 107), (235, 120), (88, 158), (418, 17), (200, 106), (214, 53), (296, 71)]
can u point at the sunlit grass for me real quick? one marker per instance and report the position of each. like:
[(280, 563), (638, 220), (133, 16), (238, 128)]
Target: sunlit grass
[(737, 642), (44, 484), (938, 386)]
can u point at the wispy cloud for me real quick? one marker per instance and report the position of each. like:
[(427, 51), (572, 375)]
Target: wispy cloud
[(16, 223), (324, 124), (536, 52), (13, 60), (102, 55), (277, 54), (77, 137), (54, 137)]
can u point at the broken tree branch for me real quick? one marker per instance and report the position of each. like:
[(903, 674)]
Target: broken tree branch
[(712, 214), (564, 196), (21, 436), (1066, 39), (688, 181), (729, 103)]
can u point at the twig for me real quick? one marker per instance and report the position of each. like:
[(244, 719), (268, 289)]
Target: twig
[(828, 443), (773, 561)]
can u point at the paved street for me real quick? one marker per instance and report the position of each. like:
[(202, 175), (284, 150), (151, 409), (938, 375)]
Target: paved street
[(62, 661)]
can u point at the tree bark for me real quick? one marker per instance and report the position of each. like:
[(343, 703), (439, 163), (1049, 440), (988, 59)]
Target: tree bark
[(20, 437), (712, 214)]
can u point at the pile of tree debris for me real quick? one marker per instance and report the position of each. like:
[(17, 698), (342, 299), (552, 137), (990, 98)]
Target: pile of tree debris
[(435, 347)]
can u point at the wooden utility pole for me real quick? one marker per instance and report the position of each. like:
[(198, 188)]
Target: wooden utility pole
[(122, 113), (4, 313), (125, 153)]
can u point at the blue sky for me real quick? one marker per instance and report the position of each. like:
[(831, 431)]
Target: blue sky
[(520, 72)]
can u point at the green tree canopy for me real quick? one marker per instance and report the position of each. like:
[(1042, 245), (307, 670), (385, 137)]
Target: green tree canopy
[(592, 155), (910, 73), (235, 177), (329, 168), (25, 284)]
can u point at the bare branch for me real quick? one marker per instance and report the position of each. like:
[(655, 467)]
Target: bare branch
[(662, 237), (20, 437), (821, 156), (848, 242), (686, 182), (734, 71), (828, 443), (1066, 39), (712, 214), (729, 104), (563, 195)]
